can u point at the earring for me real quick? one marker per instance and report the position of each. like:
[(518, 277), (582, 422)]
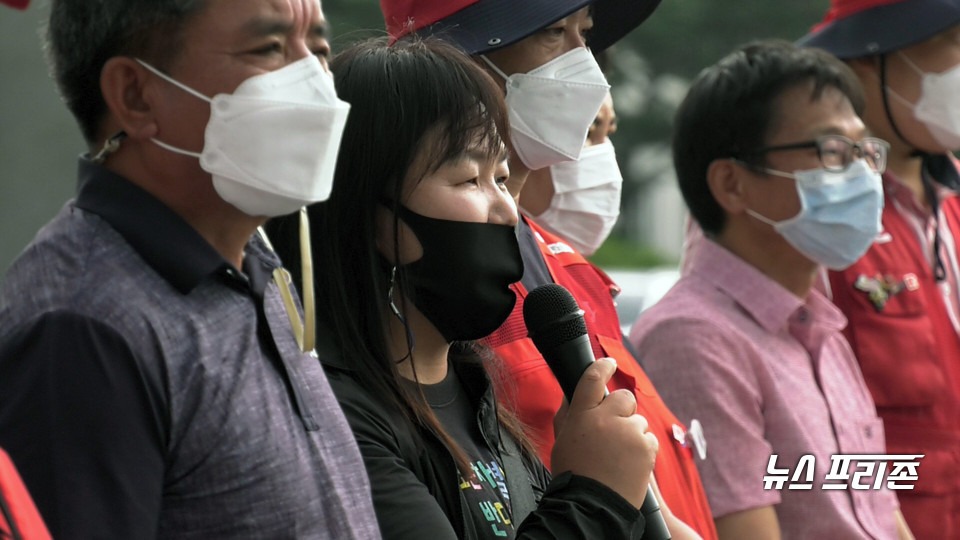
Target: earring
[(393, 306), (396, 312), (109, 146)]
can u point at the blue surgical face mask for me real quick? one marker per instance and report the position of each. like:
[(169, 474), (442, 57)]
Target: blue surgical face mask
[(839, 216)]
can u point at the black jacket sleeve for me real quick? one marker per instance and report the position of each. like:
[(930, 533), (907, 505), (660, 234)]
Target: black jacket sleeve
[(79, 422), (579, 507), (407, 484)]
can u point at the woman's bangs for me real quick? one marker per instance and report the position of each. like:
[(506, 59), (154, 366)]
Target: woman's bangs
[(472, 113)]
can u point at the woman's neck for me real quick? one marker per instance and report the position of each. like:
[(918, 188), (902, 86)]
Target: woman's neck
[(430, 349)]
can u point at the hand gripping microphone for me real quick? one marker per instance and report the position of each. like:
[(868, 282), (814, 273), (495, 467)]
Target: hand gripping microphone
[(556, 326)]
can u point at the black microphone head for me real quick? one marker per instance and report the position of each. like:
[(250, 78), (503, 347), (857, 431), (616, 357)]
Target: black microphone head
[(552, 316)]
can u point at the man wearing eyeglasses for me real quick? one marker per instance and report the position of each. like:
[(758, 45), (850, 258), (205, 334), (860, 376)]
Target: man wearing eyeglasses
[(778, 170), (902, 299)]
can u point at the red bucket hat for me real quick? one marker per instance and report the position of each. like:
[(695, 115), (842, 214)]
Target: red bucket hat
[(859, 28), (480, 26), (19, 4)]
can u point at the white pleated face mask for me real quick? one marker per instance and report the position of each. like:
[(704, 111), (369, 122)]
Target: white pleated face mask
[(271, 146), (586, 198), (552, 107), (939, 106)]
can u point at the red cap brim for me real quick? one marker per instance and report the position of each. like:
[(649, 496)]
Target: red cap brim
[(19, 4), (487, 25), (884, 28)]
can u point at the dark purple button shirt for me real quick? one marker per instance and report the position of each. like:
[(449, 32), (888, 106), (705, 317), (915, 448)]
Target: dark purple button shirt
[(150, 389)]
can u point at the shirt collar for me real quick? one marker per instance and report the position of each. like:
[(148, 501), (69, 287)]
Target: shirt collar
[(938, 170), (824, 311), (766, 301), (173, 248)]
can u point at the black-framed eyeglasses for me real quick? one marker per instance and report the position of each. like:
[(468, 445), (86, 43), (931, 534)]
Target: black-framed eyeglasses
[(837, 152)]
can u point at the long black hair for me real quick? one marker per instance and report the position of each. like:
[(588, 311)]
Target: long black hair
[(414, 106)]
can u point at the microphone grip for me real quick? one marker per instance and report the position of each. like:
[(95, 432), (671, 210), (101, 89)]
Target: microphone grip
[(655, 527), (568, 361)]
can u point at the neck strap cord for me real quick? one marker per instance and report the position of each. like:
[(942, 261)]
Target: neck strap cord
[(303, 330)]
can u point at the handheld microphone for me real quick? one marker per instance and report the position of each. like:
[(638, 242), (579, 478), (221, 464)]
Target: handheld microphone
[(556, 326)]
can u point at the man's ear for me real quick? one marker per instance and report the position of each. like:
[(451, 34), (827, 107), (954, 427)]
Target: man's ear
[(128, 90), (725, 179)]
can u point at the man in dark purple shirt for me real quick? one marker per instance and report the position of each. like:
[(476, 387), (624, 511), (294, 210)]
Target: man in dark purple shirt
[(151, 384)]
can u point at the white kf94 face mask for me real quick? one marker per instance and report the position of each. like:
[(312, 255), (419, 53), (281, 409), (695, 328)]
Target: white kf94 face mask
[(271, 146), (586, 199), (552, 107), (938, 107)]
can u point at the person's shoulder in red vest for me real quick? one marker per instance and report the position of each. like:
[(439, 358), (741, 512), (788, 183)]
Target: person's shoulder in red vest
[(19, 518)]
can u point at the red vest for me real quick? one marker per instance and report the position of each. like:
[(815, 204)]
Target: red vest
[(531, 389), (909, 353), (16, 504)]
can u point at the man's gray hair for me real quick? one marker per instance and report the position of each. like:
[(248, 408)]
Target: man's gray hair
[(83, 34)]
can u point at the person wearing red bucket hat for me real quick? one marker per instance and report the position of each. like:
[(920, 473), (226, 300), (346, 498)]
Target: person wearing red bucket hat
[(554, 89), (902, 299), (480, 26)]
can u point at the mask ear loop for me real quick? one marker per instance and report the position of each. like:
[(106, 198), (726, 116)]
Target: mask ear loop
[(494, 67), (186, 89), (929, 190), (411, 341), (884, 93)]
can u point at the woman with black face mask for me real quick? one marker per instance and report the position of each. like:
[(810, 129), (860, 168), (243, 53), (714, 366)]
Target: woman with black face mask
[(415, 251)]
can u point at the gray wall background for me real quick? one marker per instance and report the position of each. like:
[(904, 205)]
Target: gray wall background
[(39, 141)]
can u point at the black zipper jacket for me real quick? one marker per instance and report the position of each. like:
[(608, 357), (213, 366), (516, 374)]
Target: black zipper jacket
[(415, 484)]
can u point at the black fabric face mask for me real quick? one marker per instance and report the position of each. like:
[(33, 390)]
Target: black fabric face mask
[(461, 284)]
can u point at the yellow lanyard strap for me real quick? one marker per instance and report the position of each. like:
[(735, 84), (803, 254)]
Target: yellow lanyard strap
[(304, 331)]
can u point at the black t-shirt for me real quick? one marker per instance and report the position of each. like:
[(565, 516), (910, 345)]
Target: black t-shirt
[(486, 492)]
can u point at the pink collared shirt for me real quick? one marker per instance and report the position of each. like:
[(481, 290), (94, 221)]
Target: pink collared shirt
[(765, 373)]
